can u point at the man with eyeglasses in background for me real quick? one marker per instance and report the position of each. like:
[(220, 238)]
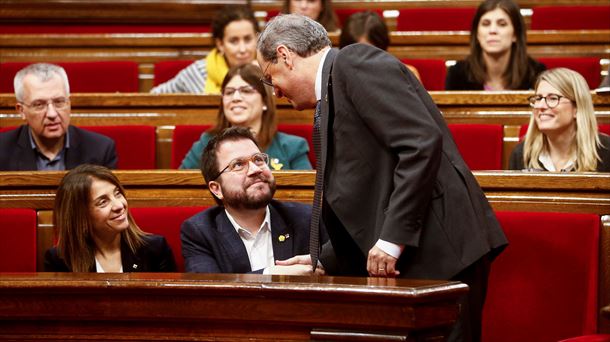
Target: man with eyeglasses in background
[(248, 230), (47, 141)]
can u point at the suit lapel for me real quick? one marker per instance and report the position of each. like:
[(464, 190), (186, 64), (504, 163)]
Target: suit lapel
[(325, 103), (232, 244), (281, 236), (28, 159)]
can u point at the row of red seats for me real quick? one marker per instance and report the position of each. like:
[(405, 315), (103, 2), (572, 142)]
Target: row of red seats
[(122, 76), (460, 18), (544, 287), (480, 144), (411, 19)]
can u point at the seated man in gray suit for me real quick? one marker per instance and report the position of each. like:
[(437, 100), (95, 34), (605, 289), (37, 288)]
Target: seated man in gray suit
[(47, 141), (248, 230)]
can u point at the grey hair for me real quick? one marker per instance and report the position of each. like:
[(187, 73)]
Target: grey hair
[(44, 72), (300, 34)]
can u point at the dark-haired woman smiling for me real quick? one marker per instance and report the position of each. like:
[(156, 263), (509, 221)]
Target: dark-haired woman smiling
[(96, 230)]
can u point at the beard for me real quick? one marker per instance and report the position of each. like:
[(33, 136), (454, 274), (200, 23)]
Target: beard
[(242, 199)]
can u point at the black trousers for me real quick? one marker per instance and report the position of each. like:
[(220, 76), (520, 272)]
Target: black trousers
[(469, 325)]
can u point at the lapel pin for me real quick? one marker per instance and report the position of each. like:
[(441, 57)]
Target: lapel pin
[(135, 266), (283, 238)]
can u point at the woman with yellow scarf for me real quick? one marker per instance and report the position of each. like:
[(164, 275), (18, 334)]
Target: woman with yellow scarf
[(234, 31)]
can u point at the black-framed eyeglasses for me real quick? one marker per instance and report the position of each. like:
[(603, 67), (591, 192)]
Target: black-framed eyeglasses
[(243, 90), (552, 100), (240, 164), (41, 106), (267, 79)]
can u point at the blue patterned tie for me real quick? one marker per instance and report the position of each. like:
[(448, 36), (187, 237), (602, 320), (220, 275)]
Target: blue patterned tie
[(314, 230)]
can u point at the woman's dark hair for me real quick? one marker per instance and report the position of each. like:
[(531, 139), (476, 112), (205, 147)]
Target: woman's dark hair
[(365, 24), (251, 74), (327, 17), (229, 14), (72, 218), (519, 69)]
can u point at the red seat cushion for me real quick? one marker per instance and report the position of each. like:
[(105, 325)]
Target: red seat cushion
[(30, 28), (431, 71), (604, 128), (135, 145), (435, 19), (588, 67), (571, 18), (166, 70), (344, 13), (84, 77), (589, 338), (304, 131), (543, 287), (17, 240), (166, 221), (183, 138), (479, 144)]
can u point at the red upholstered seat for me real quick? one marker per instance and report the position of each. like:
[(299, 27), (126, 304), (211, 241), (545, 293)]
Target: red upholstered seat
[(589, 338), (588, 67), (344, 13), (435, 19), (84, 77), (479, 144), (30, 28), (166, 221), (166, 70), (431, 71), (543, 287), (571, 18), (183, 138), (605, 128), (304, 131), (135, 145), (17, 240)]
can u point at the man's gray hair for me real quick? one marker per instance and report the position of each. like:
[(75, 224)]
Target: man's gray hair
[(300, 34), (44, 72)]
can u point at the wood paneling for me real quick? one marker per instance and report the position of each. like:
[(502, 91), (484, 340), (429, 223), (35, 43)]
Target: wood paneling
[(222, 307)]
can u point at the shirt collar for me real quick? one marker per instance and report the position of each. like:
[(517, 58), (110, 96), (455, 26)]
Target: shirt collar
[(265, 224), (545, 159), (319, 76)]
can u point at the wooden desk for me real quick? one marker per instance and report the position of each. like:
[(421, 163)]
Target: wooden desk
[(509, 109), (194, 307)]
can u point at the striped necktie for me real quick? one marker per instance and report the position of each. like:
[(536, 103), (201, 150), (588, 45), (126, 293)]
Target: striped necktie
[(314, 230)]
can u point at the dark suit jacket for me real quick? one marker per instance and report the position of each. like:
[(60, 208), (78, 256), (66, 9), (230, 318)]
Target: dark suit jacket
[(210, 243), (393, 171), (516, 156), (458, 77), (16, 153), (154, 256)]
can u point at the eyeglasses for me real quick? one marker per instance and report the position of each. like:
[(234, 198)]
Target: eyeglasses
[(552, 100), (243, 91), (267, 79), (41, 106), (240, 164)]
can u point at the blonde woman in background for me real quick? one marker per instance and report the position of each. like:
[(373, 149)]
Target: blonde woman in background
[(562, 133)]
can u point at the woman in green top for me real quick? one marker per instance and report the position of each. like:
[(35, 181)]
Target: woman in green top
[(247, 102)]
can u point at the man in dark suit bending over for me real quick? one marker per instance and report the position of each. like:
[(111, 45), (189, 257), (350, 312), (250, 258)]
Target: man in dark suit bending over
[(47, 141), (248, 230), (396, 197)]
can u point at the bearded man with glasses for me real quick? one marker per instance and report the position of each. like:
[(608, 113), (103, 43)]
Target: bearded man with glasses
[(47, 141), (248, 231)]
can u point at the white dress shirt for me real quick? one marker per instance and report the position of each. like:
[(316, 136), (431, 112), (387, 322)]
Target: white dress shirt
[(258, 245)]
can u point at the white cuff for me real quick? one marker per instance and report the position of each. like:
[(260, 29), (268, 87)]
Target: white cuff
[(390, 248)]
